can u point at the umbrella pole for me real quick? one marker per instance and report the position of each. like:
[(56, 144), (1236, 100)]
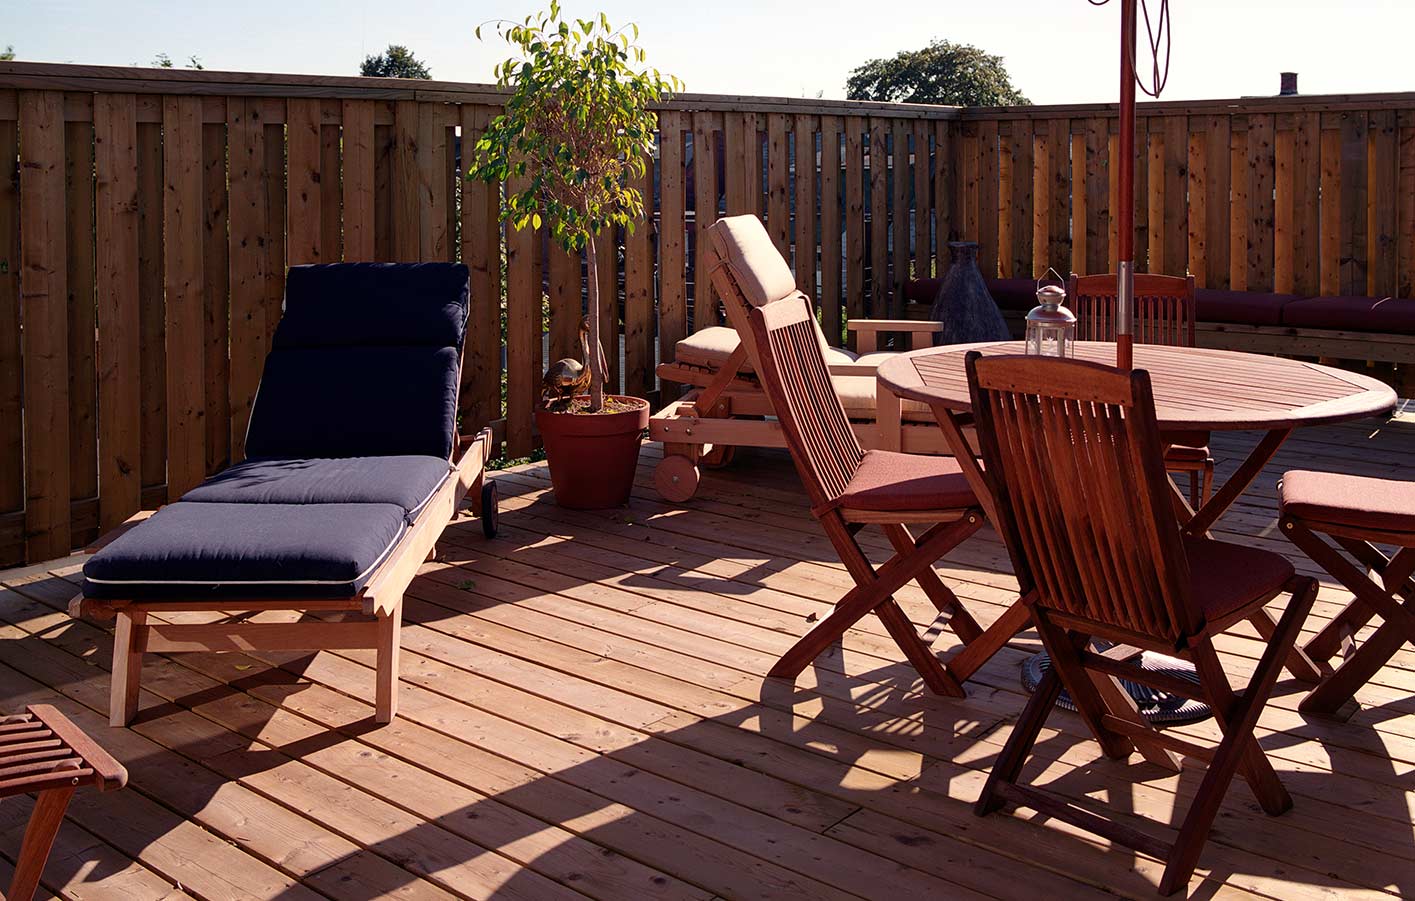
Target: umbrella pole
[(1124, 326)]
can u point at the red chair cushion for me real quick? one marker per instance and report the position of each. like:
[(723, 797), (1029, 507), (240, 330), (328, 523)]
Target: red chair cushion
[(1357, 314), (1184, 453), (892, 482), (1358, 501), (1225, 579), (1241, 307)]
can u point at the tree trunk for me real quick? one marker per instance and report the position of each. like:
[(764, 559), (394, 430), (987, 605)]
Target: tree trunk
[(596, 360)]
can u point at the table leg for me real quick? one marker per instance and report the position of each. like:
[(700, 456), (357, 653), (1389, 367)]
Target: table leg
[(1204, 518)]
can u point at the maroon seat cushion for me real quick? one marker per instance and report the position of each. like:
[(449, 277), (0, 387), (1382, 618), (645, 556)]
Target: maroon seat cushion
[(1241, 307), (892, 482), (1008, 293), (1356, 314), (1359, 501), (1185, 453), (1225, 579)]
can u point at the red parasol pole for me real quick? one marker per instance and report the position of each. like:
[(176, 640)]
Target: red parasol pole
[(1124, 327)]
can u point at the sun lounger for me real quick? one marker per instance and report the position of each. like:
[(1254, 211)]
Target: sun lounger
[(354, 468), (727, 407)]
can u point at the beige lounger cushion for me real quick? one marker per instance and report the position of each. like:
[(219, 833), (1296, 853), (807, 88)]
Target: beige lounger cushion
[(744, 247), (857, 395), (711, 347)]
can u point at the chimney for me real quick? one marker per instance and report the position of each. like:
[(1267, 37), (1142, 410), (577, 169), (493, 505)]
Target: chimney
[(1288, 86)]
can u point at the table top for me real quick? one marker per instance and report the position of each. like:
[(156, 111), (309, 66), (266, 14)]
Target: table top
[(1195, 388)]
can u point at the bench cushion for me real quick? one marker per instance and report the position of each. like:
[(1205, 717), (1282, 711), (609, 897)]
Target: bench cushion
[(1241, 307), (407, 482), (1361, 502), (1354, 314), (195, 551), (858, 395), (710, 348)]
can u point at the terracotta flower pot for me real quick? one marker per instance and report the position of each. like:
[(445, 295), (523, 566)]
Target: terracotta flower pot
[(593, 456)]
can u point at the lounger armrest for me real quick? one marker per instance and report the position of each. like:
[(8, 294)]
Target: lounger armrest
[(866, 332), (853, 369), (473, 453), (108, 537)]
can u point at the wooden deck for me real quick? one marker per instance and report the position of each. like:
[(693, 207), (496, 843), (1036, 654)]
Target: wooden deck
[(584, 715)]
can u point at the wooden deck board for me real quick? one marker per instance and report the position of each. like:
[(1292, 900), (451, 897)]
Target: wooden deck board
[(584, 715)]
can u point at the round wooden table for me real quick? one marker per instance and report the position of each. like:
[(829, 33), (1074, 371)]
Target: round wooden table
[(1195, 390)]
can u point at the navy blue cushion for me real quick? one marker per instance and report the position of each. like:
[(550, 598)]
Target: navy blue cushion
[(406, 482), (364, 362), (195, 551)]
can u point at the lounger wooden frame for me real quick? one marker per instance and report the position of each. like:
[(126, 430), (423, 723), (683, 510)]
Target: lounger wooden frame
[(374, 616), (1073, 454), (43, 753), (1360, 662)]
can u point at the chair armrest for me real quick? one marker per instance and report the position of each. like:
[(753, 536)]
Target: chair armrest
[(894, 325)]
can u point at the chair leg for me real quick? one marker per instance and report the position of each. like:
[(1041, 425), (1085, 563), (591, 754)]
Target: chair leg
[(1298, 663), (43, 826), (1358, 669), (387, 655), (1238, 742), (1024, 735), (1256, 769), (1194, 489), (944, 600), (127, 667), (1063, 648)]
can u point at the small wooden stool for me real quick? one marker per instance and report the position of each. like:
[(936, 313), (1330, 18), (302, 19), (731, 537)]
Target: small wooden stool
[(42, 752), (1357, 512)]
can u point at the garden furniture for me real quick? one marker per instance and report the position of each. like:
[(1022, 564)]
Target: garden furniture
[(1357, 513), (44, 754), (1072, 457), (851, 487), (354, 468)]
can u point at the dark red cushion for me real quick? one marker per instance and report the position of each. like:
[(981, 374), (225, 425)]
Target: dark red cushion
[(1225, 579), (922, 290), (894, 482), (1357, 314), (1361, 502), (1241, 307)]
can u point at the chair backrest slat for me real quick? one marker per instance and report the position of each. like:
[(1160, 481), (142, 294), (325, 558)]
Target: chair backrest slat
[(797, 381), (1073, 454), (1164, 308)]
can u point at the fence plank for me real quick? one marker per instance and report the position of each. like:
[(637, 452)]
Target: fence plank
[(116, 234), (1176, 220), (406, 224), (901, 184), (357, 178), (481, 252), (609, 325), (565, 284), (276, 225), (1306, 202), (1059, 214), (433, 164), (79, 279), (705, 306), (804, 208), (1284, 212), (523, 333), (1260, 203), (1238, 216), (331, 232), (152, 319), (1198, 201), (44, 310), (855, 136), (1353, 202), (879, 220), (989, 199), (832, 315), (182, 283), (638, 281), (12, 453), (1080, 236), (304, 199), (673, 306), (1405, 276), (216, 295), (1382, 181), (384, 152), (1218, 183), (249, 259), (778, 207), (1098, 169), (943, 178), (1019, 147)]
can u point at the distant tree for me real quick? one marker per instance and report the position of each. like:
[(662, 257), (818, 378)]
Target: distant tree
[(395, 62), (943, 72), (163, 61), (8, 53)]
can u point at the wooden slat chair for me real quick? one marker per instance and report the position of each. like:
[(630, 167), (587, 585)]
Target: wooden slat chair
[(1072, 452), (44, 754), (850, 488), (1356, 512), (354, 468), (1165, 312)]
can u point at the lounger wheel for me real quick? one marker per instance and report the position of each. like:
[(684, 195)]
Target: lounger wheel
[(720, 457), (676, 478), (490, 511)]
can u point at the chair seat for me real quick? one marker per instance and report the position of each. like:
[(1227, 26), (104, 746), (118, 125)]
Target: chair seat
[(1361, 502), (1183, 453), (1227, 579), (407, 482), (195, 551), (892, 482)]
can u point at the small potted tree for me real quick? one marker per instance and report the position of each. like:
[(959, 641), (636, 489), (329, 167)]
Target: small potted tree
[(576, 127)]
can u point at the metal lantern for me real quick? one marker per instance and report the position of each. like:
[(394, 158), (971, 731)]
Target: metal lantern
[(1051, 328)]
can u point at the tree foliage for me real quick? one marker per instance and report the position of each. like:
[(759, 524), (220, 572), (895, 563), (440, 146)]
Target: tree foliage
[(576, 127), (8, 53), (395, 62), (163, 61), (943, 72)]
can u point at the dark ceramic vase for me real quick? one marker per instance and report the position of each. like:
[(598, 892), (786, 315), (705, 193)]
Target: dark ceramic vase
[(963, 304)]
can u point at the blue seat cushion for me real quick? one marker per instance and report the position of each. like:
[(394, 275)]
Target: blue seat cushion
[(197, 551), (407, 482)]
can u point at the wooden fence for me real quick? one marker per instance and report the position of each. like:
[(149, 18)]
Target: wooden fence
[(148, 216)]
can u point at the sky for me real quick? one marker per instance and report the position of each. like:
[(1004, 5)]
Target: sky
[(1057, 51)]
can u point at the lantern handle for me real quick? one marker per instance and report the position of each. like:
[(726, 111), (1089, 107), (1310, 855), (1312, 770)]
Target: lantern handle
[(1060, 282)]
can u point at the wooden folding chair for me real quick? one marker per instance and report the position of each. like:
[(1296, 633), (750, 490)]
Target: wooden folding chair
[(42, 753), (850, 488), (1073, 454), (1356, 512), (1164, 314)]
